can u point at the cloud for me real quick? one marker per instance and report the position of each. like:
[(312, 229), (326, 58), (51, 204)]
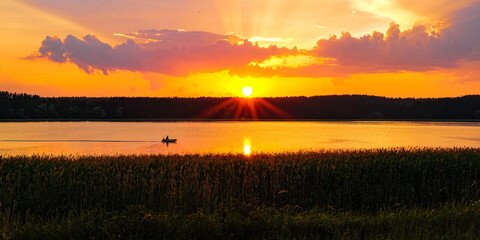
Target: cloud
[(181, 53), (413, 49), (418, 49), (170, 52), (310, 71), (465, 34), (53, 49), (166, 38)]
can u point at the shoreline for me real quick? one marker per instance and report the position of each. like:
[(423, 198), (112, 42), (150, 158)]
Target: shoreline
[(246, 120)]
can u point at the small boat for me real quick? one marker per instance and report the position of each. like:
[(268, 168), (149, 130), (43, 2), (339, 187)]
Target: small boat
[(169, 140)]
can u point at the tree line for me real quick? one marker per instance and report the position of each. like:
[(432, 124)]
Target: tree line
[(26, 106)]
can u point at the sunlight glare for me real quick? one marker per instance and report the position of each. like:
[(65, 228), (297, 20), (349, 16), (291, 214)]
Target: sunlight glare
[(247, 91), (247, 149)]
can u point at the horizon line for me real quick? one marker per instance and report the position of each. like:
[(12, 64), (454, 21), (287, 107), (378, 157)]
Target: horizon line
[(240, 97)]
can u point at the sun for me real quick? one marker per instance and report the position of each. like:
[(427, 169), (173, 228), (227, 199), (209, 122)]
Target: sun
[(247, 91)]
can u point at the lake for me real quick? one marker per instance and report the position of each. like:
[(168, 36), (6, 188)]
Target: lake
[(220, 137)]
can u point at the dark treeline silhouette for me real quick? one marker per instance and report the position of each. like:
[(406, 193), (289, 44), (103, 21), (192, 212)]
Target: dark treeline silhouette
[(25, 106)]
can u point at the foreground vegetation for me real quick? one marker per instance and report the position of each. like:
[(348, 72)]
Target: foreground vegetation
[(451, 222), (415, 193)]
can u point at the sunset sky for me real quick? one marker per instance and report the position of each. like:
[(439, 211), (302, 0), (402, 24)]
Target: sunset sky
[(192, 48)]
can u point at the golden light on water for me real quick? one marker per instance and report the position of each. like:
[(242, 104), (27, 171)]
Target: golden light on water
[(247, 91), (247, 148)]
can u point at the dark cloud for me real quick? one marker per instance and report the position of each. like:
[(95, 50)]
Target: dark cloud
[(181, 54), (53, 49), (464, 33)]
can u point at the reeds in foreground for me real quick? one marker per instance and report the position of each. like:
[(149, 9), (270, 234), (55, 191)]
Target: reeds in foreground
[(355, 182)]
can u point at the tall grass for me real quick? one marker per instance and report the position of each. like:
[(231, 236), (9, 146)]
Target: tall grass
[(364, 180), (447, 222)]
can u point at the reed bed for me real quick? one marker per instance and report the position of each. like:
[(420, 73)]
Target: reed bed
[(358, 182), (346, 180)]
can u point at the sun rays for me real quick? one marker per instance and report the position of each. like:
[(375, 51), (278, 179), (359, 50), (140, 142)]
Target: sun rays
[(245, 109)]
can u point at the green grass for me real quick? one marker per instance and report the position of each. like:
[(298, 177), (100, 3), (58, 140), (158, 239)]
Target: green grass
[(449, 222), (334, 194)]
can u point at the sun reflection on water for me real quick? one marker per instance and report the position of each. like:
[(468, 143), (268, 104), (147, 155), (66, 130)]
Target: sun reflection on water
[(247, 148)]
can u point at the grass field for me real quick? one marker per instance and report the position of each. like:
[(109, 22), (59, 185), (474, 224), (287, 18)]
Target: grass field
[(366, 194)]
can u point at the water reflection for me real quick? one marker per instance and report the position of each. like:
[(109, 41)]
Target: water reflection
[(247, 148), (166, 143), (227, 137)]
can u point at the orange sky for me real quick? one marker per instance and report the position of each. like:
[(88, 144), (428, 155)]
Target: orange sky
[(191, 48)]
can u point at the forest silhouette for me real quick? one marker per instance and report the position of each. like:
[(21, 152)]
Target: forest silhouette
[(334, 107)]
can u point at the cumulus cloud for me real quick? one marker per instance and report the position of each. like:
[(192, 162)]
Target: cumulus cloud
[(417, 49), (181, 53), (173, 52), (413, 49)]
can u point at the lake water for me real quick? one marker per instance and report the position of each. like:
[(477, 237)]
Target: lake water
[(237, 137)]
